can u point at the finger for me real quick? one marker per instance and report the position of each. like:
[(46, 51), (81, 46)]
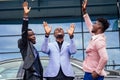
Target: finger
[(67, 31), (72, 25), (85, 2), (29, 8), (25, 4), (82, 4), (50, 27), (44, 23)]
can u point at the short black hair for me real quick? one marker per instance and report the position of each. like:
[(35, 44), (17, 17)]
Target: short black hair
[(58, 29), (29, 29), (104, 22)]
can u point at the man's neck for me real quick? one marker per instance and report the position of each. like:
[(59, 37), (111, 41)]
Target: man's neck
[(59, 40), (98, 32)]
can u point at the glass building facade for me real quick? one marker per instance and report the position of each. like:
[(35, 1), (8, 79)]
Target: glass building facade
[(10, 33), (58, 13)]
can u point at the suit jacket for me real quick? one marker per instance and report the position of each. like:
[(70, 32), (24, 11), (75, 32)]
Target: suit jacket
[(27, 50), (58, 58)]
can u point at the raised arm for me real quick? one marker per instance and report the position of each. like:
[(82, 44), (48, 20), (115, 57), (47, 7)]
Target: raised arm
[(45, 47), (25, 22), (86, 16), (72, 46), (47, 28), (70, 31)]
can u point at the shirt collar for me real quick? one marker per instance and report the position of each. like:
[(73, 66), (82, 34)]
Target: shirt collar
[(59, 42), (96, 36)]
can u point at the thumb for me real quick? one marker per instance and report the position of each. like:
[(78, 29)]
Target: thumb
[(29, 8), (67, 31), (50, 28)]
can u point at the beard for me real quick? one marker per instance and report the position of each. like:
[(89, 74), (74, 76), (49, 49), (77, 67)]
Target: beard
[(60, 36), (93, 31), (33, 41)]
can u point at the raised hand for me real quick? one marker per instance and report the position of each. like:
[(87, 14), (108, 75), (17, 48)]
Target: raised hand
[(70, 31), (84, 6), (26, 8), (47, 28)]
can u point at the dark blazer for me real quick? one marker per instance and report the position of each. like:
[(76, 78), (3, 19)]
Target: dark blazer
[(27, 51)]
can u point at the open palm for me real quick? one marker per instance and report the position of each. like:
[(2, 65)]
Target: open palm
[(47, 28), (26, 9), (71, 29), (84, 5)]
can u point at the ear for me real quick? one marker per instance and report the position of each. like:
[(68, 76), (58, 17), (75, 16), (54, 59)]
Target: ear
[(101, 28)]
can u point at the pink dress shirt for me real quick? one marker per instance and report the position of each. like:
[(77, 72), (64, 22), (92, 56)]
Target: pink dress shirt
[(96, 54)]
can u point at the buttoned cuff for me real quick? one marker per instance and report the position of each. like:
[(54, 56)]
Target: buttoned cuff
[(46, 35), (85, 14), (25, 18), (98, 72), (72, 36)]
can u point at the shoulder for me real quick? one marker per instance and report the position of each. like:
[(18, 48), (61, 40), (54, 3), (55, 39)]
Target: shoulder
[(19, 42), (101, 38), (100, 43)]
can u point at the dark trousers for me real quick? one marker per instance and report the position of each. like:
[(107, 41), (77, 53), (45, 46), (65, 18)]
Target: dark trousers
[(88, 76), (34, 78), (53, 78), (60, 76), (30, 76)]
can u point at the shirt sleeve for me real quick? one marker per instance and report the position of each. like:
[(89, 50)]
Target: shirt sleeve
[(45, 47), (88, 22), (101, 48), (72, 47), (24, 32)]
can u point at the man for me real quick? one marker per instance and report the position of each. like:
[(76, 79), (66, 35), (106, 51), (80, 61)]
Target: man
[(59, 52), (96, 54), (32, 65)]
